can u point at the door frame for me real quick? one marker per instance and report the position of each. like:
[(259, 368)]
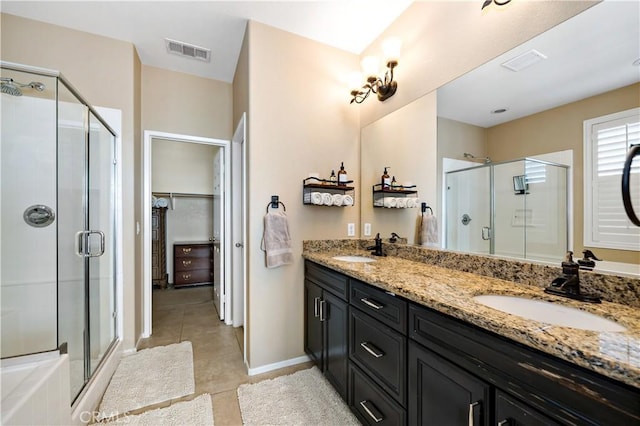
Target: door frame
[(147, 284)]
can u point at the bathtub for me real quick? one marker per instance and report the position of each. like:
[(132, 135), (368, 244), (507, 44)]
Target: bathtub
[(36, 390)]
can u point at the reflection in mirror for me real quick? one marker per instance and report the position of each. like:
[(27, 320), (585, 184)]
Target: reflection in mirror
[(530, 102)]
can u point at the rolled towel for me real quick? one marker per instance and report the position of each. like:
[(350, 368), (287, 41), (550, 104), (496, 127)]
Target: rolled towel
[(390, 202), (337, 199), (163, 202), (379, 202), (326, 199), (412, 202), (316, 198), (347, 200), (401, 203), (154, 201)]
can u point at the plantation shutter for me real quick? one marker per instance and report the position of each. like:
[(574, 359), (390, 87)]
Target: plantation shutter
[(611, 141)]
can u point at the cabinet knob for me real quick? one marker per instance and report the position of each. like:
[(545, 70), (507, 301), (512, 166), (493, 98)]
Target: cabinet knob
[(186, 262), (186, 276), (186, 250)]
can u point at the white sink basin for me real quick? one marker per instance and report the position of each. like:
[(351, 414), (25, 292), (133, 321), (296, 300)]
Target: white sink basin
[(361, 259), (550, 313)]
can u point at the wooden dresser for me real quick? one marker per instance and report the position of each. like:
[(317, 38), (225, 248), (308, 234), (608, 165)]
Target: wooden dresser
[(159, 246), (192, 263)]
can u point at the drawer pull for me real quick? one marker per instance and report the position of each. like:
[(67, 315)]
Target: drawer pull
[(186, 250), (371, 411), (322, 312), (186, 262), (372, 349), (471, 407), (316, 302), (186, 276), (503, 422), (371, 303)]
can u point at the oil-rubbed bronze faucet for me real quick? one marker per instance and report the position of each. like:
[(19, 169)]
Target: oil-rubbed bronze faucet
[(377, 249), (568, 284)]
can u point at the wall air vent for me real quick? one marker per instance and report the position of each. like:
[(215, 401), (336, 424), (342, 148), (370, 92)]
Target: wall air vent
[(524, 60), (188, 50)]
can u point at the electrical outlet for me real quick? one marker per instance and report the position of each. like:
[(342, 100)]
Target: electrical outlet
[(367, 229), (351, 229)]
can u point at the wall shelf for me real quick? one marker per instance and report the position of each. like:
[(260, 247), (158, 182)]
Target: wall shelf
[(399, 196), (323, 192)]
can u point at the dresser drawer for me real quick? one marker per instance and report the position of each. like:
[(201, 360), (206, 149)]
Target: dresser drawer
[(193, 277), (191, 263), (332, 281), (191, 251), (390, 310), (370, 404), (380, 351)]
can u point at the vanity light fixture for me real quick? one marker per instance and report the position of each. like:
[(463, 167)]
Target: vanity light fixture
[(384, 87), (497, 2)]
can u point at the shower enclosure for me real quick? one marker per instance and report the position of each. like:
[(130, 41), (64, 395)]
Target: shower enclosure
[(513, 209), (57, 226)]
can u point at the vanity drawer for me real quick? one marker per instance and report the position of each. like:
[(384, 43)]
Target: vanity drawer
[(190, 264), (380, 351), (332, 281), (193, 277), (372, 405), (390, 310)]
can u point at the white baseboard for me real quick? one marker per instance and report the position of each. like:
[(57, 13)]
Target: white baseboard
[(277, 365)]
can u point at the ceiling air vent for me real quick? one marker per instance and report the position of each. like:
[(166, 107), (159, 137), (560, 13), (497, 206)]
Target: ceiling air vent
[(525, 60), (188, 50)]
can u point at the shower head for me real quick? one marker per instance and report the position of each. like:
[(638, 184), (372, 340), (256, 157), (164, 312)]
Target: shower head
[(11, 87), (472, 157)]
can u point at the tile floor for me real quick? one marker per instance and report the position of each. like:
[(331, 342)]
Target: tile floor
[(189, 314)]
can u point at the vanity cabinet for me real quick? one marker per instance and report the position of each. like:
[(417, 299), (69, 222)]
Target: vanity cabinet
[(397, 362), (326, 321)]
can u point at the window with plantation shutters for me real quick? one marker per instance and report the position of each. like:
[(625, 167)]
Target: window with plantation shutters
[(607, 142)]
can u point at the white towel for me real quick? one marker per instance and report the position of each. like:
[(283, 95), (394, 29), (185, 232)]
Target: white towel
[(412, 202), (276, 242), (162, 202), (390, 202), (316, 198), (429, 231), (337, 199), (326, 199), (401, 203), (379, 202), (347, 200)]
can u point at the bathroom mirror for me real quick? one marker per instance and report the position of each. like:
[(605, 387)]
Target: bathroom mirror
[(580, 78)]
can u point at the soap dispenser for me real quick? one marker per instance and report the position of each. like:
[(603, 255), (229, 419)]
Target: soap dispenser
[(385, 179), (342, 175)]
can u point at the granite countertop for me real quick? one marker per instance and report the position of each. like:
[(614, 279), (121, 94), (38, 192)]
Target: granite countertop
[(612, 354)]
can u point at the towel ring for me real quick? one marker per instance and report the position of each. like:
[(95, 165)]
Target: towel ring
[(424, 207), (275, 207)]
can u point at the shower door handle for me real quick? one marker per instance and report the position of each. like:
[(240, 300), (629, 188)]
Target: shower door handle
[(82, 244), (486, 233)]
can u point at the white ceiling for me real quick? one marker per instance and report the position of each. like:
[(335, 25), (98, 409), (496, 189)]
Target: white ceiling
[(350, 25), (588, 54)]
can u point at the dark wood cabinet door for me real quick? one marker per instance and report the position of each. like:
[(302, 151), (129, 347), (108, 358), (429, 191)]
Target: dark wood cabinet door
[(312, 324), (335, 318), (440, 393), (512, 412)]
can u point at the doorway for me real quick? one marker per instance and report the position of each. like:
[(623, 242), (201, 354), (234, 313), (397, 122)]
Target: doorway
[(220, 238)]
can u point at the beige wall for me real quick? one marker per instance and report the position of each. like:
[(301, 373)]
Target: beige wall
[(103, 71), (300, 121), (185, 104), (182, 167), (560, 129)]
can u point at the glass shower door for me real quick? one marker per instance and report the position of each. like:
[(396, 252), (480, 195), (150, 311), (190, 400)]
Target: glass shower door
[(468, 204), (101, 241)]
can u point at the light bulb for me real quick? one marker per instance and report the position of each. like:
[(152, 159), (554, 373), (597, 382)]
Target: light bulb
[(370, 66), (391, 48)]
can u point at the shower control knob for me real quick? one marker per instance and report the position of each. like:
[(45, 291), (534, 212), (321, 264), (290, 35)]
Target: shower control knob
[(239, 245)]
